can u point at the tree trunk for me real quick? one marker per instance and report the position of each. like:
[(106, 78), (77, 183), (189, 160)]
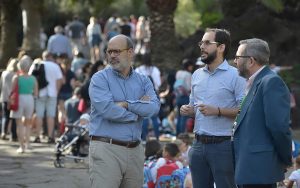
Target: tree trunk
[(9, 23), (165, 51), (31, 13)]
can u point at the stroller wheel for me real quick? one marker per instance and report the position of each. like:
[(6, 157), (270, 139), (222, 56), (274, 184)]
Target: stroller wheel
[(78, 160), (59, 163)]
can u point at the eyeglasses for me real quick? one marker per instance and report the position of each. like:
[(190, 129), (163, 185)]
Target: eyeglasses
[(237, 57), (207, 42), (117, 52)]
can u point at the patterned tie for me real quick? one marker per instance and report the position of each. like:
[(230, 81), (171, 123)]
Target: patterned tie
[(237, 116)]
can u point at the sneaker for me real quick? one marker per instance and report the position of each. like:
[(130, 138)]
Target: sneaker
[(37, 140), (50, 141), (3, 137), (20, 150)]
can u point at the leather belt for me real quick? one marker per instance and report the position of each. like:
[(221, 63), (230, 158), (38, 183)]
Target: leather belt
[(128, 144), (205, 139)]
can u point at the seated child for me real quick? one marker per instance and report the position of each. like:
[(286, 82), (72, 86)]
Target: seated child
[(169, 160), (152, 153), (295, 176), (152, 148), (84, 120), (184, 144)]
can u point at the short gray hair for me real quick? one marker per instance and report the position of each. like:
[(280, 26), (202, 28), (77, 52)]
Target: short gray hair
[(258, 49), (25, 63)]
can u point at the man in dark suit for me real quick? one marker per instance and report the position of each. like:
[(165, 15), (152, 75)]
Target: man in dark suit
[(261, 135)]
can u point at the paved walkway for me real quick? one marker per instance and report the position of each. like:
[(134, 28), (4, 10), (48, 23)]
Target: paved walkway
[(35, 169)]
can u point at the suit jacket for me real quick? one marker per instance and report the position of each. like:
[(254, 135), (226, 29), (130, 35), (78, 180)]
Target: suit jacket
[(262, 139)]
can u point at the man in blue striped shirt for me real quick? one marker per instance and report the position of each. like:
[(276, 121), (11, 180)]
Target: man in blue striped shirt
[(120, 99), (216, 92)]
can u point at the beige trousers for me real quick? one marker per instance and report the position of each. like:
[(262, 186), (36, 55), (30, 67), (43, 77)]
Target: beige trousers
[(113, 166)]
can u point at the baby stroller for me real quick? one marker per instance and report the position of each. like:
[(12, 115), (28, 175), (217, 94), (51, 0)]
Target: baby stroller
[(73, 143)]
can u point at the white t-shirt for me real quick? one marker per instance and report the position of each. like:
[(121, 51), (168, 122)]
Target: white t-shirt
[(152, 71), (295, 176), (53, 73), (161, 162)]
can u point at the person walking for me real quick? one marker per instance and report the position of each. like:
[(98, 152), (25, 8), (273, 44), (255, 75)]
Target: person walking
[(216, 92), (28, 90), (261, 135), (120, 99)]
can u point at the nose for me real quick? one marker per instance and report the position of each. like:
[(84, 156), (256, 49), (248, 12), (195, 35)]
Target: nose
[(235, 61)]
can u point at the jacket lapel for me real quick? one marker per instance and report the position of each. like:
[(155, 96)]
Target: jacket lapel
[(250, 96)]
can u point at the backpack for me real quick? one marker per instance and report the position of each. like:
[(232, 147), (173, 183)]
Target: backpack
[(40, 74), (164, 172), (178, 177)]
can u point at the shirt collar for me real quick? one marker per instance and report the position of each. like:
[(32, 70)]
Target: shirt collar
[(223, 66), (120, 75), (251, 79)]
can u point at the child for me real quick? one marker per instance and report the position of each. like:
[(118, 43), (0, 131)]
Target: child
[(295, 176), (151, 150), (184, 144), (84, 120), (152, 153), (169, 159)]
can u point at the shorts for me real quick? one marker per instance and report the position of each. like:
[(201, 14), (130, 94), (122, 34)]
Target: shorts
[(94, 40), (26, 107), (46, 103)]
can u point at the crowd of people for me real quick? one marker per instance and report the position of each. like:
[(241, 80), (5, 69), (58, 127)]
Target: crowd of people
[(247, 105)]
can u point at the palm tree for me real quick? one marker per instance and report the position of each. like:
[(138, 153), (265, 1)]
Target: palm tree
[(165, 51), (9, 25), (32, 14)]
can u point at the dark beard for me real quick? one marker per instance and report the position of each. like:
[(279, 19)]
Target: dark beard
[(210, 58)]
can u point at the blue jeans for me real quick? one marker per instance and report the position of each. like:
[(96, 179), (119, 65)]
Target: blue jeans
[(155, 124), (181, 120), (211, 163)]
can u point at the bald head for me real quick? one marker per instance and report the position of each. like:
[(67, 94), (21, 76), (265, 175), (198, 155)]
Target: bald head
[(123, 40)]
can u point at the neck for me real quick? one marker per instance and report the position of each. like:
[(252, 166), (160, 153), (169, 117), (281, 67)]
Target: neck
[(255, 69), (125, 73), (212, 67)]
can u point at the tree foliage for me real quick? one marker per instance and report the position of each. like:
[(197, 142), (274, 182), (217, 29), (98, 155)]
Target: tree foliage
[(187, 18)]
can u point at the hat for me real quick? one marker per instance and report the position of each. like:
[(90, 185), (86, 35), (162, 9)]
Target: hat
[(85, 116), (199, 62)]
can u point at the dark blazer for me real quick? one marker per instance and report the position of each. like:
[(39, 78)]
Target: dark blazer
[(262, 139)]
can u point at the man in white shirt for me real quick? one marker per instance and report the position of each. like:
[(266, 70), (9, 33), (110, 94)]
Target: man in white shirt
[(47, 98)]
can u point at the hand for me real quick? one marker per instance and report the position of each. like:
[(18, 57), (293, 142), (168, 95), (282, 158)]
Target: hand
[(187, 110), (207, 110), (145, 98), (122, 104)]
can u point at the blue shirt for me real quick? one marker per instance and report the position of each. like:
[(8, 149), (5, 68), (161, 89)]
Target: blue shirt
[(222, 88), (59, 44), (110, 120)]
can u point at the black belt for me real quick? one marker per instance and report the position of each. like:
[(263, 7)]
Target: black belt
[(205, 139), (128, 144)]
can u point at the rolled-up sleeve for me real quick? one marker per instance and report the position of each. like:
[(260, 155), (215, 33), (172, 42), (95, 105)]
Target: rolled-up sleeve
[(102, 100)]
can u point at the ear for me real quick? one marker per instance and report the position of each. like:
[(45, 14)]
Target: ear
[(131, 52), (222, 48)]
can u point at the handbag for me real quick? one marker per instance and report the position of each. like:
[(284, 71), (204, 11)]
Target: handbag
[(82, 106), (14, 98)]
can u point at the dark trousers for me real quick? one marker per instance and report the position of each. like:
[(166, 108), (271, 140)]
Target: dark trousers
[(258, 186)]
